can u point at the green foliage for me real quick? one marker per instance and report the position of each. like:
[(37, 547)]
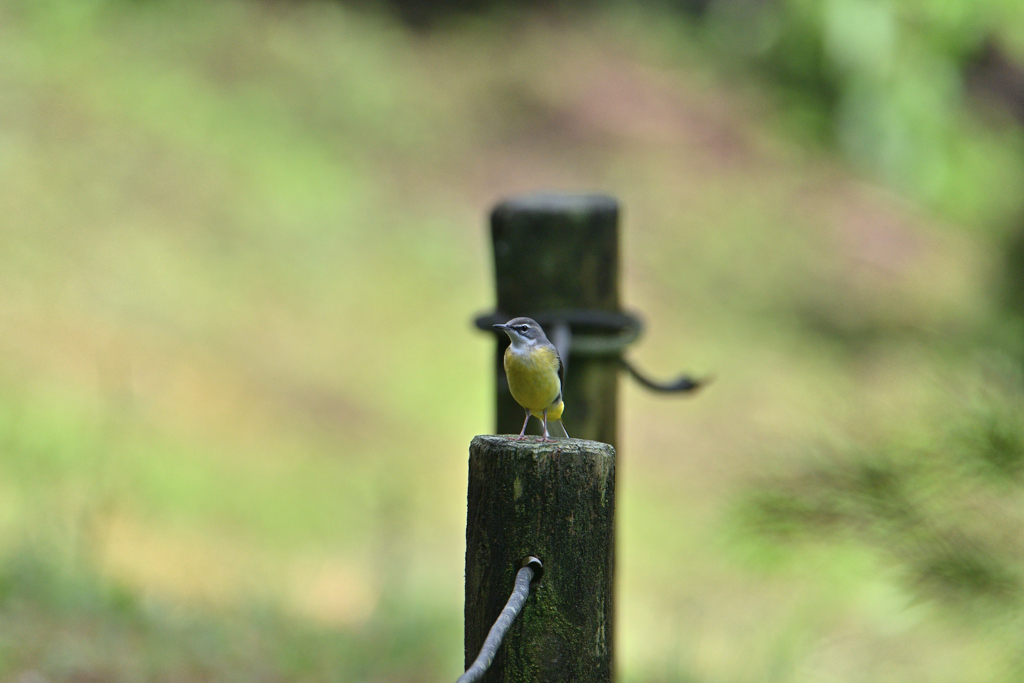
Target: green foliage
[(946, 512), (885, 81), (73, 625)]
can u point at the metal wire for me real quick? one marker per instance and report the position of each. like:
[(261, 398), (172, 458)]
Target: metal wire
[(595, 334), (680, 385), (520, 593)]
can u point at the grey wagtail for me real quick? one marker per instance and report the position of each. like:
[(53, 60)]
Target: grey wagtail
[(534, 372)]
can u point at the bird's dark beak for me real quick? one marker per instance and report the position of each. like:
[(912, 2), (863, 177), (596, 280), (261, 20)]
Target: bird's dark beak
[(501, 327)]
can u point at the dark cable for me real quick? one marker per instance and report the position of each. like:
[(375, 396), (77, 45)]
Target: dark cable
[(586, 333), (681, 384), (501, 625)]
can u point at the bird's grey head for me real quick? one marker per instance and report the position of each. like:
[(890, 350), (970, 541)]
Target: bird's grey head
[(524, 332)]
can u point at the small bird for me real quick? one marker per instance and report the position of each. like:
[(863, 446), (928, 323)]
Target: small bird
[(534, 372)]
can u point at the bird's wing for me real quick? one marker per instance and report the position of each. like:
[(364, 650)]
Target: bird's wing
[(561, 374)]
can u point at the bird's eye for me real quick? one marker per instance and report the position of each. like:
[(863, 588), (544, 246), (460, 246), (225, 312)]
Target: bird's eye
[(522, 328)]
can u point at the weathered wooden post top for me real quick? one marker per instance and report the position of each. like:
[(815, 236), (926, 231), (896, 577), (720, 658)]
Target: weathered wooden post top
[(556, 501)]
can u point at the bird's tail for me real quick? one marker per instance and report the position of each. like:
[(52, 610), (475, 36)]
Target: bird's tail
[(562, 425)]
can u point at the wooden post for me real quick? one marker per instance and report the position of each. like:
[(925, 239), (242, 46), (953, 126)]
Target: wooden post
[(551, 253), (556, 501)]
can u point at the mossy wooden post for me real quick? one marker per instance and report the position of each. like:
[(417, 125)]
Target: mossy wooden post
[(551, 253), (556, 501)]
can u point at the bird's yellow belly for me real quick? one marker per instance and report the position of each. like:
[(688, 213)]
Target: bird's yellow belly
[(533, 381)]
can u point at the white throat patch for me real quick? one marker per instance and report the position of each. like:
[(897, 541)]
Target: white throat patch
[(521, 344)]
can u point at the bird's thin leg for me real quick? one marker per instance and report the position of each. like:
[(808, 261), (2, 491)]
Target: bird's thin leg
[(545, 420), (522, 432)]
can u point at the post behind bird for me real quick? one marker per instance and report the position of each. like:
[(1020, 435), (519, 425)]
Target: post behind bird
[(535, 373)]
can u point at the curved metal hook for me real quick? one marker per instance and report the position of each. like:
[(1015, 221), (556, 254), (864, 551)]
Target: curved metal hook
[(604, 334), (682, 384)]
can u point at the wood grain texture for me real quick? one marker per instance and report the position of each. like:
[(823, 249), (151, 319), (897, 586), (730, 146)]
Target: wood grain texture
[(554, 500)]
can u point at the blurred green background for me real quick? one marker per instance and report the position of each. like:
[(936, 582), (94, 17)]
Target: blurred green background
[(241, 243)]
